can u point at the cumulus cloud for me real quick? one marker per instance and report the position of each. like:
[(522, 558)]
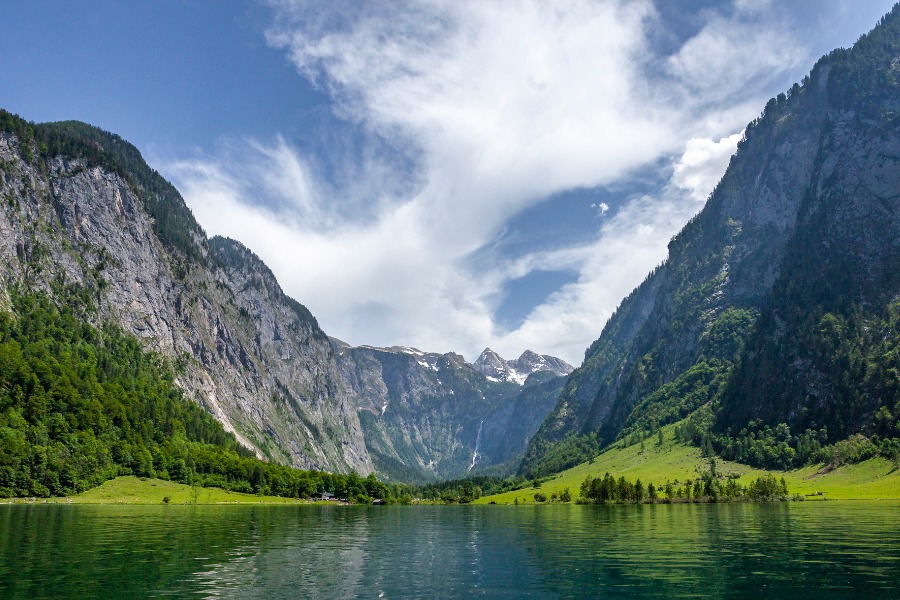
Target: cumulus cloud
[(497, 106), (702, 164)]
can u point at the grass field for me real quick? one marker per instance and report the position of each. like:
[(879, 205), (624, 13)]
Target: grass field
[(134, 490), (873, 479)]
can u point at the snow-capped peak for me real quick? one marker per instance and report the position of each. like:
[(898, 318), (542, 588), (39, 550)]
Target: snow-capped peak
[(494, 367)]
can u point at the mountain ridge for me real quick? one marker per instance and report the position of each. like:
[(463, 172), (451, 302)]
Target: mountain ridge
[(748, 268)]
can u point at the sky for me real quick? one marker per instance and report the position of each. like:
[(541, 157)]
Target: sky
[(448, 175)]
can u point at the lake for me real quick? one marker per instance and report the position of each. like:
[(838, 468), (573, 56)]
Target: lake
[(796, 550)]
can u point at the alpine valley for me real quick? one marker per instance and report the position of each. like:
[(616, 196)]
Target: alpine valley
[(769, 337)]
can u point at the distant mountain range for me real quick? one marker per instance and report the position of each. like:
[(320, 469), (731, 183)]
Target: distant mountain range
[(428, 415)]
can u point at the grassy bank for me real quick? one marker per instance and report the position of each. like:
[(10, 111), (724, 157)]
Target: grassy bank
[(873, 479), (135, 490)]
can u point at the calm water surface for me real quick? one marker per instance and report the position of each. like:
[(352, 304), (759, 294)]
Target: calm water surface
[(825, 550)]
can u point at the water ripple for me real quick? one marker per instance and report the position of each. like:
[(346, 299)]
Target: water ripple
[(728, 551)]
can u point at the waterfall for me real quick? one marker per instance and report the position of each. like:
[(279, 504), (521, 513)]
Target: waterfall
[(477, 445)]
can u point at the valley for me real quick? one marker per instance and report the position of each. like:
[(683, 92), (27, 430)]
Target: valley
[(769, 334)]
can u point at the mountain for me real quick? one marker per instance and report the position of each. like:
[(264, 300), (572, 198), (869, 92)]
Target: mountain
[(430, 416), (492, 366), (82, 210), (775, 320)]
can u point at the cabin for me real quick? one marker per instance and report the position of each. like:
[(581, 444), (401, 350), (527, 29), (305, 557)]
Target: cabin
[(323, 496)]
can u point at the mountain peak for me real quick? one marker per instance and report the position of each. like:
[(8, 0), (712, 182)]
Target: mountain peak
[(494, 367)]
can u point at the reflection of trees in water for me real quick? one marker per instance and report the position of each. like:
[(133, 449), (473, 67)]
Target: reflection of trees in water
[(298, 551), (344, 552), (739, 550), (425, 551)]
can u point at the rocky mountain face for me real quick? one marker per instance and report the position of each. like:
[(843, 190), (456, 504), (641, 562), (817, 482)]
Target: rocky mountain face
[(428, 416), (83, 214), (779, 301), (495, 368)]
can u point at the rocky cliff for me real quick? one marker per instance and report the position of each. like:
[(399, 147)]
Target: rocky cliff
[(82, 213), (428, 416), (777, 280)]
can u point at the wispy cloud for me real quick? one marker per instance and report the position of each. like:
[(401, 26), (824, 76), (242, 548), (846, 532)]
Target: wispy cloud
[(496, 106)]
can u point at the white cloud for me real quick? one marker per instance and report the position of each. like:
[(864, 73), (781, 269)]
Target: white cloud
[(602, 208), (727, 57), (499, 105), (702, 164), (629, 245)]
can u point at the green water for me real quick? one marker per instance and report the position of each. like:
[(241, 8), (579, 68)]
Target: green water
[(827, 550)]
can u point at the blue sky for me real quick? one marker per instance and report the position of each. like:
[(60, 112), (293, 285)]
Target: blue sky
[(446, 175)]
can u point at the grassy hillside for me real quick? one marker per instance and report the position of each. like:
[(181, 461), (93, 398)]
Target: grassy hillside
[(873, 479)]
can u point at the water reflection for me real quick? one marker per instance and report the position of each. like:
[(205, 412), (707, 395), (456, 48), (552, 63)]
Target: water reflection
[(399, 552)]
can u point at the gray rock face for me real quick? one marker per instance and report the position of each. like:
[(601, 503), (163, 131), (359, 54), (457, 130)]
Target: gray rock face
[(815, 183), (495, 368), (422, 412), (255, 358)]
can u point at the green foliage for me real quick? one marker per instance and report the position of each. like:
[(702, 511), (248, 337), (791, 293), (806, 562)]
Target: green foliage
[(545, 457), (709, 487), (608, 489), (677, 399), (701, 384), (763, 446), (80, 405), (466, 490), (820, 351), (767, 488), (852, 356), (724, 339)]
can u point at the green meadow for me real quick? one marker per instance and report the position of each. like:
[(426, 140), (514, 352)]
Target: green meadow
[(876, 478), (140, 490)]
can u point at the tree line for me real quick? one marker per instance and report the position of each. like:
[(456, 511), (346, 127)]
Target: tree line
[(706, 488)]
